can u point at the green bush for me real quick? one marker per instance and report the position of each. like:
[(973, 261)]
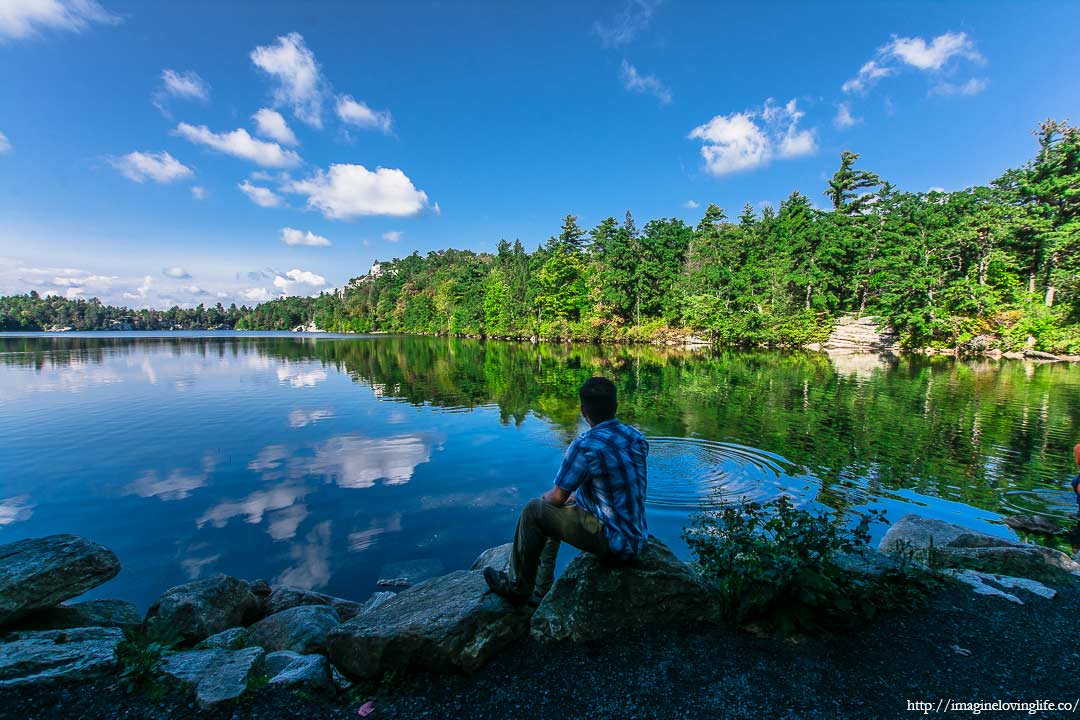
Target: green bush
[(788, 569)]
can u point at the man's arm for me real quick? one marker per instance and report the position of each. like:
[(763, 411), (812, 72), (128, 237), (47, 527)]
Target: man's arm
[(556, 496), (572, 472)]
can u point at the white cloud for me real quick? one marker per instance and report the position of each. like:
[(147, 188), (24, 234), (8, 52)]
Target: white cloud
[(634, 17), (356, 112), (20, 18), (300, 82), (867, 77), (291, 236), (186, 85), (142, 166), (5, 144), (257, 295), (261, 196), (392, 236), (636, 82), (974, 86), (298, 418), (349, 191), (270, 124), (176, 272), (297, 279), (691, 204), (749, 139), (933, 55), (844, 118), (198, 192), (239, 143)]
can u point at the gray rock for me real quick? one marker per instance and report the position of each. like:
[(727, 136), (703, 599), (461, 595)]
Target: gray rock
[(199, 609), (446, 623), (1033, 524), (231, 639), (89, 613), (46, 656), (592, 598), (291, 669), (410, 572), (218, 675), (957, 546), (866, 561), (496, 557), (285, 597), (301, 629), (39, 573), (371, 603)]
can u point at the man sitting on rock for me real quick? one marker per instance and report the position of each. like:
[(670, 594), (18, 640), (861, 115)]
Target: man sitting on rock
[(597, 503)]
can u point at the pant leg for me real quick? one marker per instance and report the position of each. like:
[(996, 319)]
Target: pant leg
[(545, 575), (541, 521)]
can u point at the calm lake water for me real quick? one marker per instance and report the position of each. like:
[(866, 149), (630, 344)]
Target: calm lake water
[(322, 461)]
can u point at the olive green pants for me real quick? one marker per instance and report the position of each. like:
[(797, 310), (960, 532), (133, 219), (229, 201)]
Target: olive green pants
[(541, 529)]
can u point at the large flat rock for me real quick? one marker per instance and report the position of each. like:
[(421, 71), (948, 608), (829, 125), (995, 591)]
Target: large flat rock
[(285, 597), (89, 613), (39, 573), (302, 629), (452, 622), (199, 609), (292, 669), (217, 675), (593, 599), (48, 656)]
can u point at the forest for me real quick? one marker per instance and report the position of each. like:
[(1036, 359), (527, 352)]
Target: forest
[(988, 266)]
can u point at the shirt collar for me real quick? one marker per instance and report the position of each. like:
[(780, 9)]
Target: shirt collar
[(597, 426)]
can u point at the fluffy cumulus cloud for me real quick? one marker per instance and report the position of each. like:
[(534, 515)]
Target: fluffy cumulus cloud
[(691, 204), (393, 236), (239, 143), (186, 85), (633, 17), (5, 144), (939, 57), (357, 113), (270, 124), (22, 18), (746, 140), (261, 196), (159, 167), (299, 81), (634, 81), (292, 236), (349, 191), (298, 282), (176, 272), (844, 118), (198, 192)]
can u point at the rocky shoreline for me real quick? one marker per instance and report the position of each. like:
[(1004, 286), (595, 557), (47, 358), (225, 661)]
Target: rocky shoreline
[(234, 642)]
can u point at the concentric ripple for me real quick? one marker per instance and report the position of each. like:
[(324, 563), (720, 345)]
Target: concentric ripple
[(692, 473)]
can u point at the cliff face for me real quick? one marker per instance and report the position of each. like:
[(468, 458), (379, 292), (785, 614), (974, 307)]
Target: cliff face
[(853, 334)]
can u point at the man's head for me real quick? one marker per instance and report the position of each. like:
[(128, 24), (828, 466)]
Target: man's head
[(598, 400)]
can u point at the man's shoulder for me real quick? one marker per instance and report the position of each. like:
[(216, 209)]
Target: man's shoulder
[(618, 433)]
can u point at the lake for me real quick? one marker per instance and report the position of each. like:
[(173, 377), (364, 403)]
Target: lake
[(322, 461)]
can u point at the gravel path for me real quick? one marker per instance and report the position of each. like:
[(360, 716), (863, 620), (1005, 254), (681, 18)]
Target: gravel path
[(1017, 653)]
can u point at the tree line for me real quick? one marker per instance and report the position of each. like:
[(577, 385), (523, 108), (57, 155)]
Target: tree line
[(996, 264)]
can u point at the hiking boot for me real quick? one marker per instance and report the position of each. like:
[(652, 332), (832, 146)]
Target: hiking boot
[(500, 584)]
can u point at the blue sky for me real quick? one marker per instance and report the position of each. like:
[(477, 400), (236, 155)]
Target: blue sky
[(160, 153)]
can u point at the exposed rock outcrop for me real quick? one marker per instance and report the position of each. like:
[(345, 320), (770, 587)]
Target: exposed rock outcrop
[(89, 613), (452, 622), (1033, 524), (46, 656), (302, 629), (593, 598), (39, 573), (231, 639), (284, 597), (496, 557), (199, 609), (853, 334), (292, 669), (217, 675)]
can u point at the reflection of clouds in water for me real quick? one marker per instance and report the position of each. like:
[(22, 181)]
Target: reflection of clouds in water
[(298, 376), (15, 509), (311, 560), (299, 418), (496, 497), (196, 560), (254, 506), (77, 375), (285, 522), (353, 461), (176, 486), (363, 539), (269, 458)]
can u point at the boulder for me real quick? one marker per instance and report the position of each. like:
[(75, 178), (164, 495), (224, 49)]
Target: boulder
[(217, 675), (292, 669), (89, 613), (231, 639), (410, 572), (199, 609), (285, 597), (47, 656), (958, 546), (497, 557), (452, 622), (593, 599), (39, 573), (371, 603), (301, 629), (1033, 524)]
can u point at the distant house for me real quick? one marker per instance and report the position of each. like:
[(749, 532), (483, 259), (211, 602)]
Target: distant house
[(376, 270), (120, 324)]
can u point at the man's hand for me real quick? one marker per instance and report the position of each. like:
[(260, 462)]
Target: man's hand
[(556, 496)]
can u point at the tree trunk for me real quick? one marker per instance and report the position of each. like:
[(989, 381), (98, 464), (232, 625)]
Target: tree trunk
[(809, 290)]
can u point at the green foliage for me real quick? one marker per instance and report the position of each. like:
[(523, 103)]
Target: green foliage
[(785, 568), (140, 654)]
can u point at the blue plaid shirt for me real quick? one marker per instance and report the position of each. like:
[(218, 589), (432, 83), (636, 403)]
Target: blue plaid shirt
[(605, 469)]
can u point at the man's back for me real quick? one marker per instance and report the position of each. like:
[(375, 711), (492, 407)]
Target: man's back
[(605, 468)]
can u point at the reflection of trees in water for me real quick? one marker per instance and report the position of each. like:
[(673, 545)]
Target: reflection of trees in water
[(969, 431)]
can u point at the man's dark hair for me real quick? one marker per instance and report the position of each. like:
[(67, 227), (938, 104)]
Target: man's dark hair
[(598, 399)]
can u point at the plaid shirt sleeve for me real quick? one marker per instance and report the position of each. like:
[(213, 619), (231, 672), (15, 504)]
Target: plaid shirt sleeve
[(574, 469)]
